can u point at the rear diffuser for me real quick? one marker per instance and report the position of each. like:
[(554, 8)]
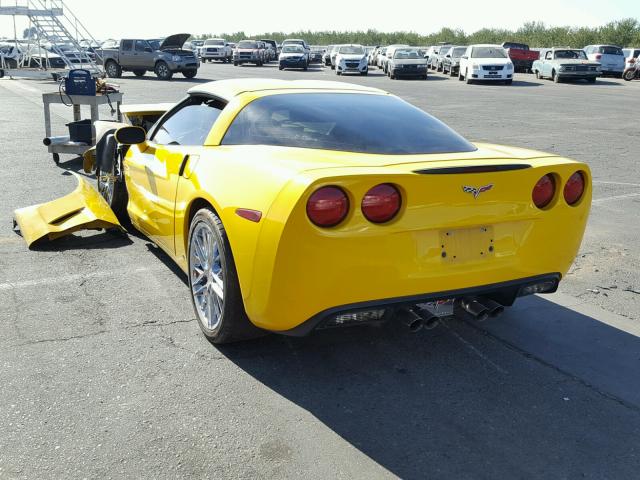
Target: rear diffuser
[(82, 209)]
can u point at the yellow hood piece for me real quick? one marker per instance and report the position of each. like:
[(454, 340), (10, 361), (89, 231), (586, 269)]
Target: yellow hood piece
[(82, 209)]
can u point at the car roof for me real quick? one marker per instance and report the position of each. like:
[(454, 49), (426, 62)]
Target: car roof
[(228, 89)]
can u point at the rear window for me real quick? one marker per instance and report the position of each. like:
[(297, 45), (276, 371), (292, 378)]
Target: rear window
[(488, 52), (517, 46), (610, 50), (362, 123)]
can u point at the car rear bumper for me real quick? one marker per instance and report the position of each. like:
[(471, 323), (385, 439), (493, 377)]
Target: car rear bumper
[(504, 293)]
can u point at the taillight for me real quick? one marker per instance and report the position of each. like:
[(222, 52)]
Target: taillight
[(632, 61), (544, 191), (598, 57), (327, 206), (381, 203), (574, 188)]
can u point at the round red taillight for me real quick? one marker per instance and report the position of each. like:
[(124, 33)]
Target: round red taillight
[(381, 203), (574, 188), (327, 206), (544, 191)]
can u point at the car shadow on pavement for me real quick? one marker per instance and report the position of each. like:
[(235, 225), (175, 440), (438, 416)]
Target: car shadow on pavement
[(102, 240), (461, 402)]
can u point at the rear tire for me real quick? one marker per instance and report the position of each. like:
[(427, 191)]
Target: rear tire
[(213, 282), (537, 74), (555, 77)]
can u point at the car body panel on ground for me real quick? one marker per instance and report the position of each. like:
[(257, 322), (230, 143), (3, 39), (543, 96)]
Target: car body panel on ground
[(82, 209)]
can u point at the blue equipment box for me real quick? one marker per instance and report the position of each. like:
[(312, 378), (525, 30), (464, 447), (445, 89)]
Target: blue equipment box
[(79, 82)]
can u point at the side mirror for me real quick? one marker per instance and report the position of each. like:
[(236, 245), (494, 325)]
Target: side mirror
[(448, 56), (130, 135)]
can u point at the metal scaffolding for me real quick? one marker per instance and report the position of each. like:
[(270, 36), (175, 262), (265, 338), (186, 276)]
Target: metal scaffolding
[(58, 29)]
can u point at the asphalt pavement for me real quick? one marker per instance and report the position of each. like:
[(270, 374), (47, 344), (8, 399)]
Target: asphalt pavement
[(105, 374)]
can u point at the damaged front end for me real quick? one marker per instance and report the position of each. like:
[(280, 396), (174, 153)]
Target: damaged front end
[(82, 209)]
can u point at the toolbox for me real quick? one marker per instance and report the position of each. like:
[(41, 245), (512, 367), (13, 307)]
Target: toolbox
[(79, 82), (80, 131)]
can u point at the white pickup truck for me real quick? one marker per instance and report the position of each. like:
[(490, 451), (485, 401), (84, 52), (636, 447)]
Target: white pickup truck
[(216, 49)]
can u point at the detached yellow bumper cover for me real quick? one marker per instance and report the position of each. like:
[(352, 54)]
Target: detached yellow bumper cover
[(82, 209)]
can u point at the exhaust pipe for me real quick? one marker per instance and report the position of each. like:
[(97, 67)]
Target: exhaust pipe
[(411, 319), (494, 308), (473, 307), (429, 320)]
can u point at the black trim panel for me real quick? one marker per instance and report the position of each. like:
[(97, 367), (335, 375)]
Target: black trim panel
[(503, 292), (473, 169)]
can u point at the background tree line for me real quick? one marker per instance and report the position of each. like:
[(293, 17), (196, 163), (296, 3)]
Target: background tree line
[(624, 33)]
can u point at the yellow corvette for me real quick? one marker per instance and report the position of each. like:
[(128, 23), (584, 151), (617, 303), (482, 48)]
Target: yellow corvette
[(295, 205)]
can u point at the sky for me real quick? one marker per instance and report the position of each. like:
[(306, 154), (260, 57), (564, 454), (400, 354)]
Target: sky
[(147, 18)]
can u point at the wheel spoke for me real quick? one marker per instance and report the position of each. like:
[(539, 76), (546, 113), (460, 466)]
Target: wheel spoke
[(217, 288)]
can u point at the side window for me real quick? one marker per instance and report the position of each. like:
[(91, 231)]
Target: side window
[(549, 55), (127, 45), (190, 124), (141, 45)]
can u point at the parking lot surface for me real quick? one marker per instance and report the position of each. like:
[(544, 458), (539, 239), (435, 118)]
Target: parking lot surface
[(105, 373)]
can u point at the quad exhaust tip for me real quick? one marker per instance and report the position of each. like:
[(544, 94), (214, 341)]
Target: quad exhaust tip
[(481, 308), (416, 318)]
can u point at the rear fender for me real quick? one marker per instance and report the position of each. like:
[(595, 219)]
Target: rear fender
[(82, 209)]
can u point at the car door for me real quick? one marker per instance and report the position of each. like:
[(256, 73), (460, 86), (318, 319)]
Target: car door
[(142, 55), (153, 169), (546, 65), (127, 59)]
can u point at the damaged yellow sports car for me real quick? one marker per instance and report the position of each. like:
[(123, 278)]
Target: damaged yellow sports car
[(295, 205)]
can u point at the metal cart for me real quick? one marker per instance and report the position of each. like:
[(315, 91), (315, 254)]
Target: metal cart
[(76, 100)]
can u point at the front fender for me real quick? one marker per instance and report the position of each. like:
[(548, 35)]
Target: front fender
[(82, 209)]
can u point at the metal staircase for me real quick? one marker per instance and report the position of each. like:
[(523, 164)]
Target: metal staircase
[(57, 28)]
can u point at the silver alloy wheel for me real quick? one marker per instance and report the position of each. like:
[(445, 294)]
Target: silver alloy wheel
[(206, 275), (163, 70), (106, 184), (112, 70)]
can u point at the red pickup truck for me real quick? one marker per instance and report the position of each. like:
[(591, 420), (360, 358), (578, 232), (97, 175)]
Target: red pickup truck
[(521, 56)]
